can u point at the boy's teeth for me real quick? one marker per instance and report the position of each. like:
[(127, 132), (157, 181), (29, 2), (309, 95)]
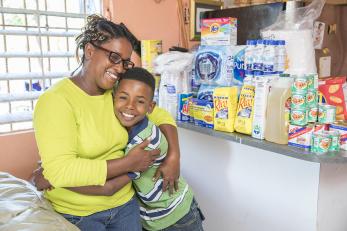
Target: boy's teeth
[(127, 115)]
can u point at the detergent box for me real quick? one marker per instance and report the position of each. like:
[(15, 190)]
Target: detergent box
[(183, 107), (219, 31)]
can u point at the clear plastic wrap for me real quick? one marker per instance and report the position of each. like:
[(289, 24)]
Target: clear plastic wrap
[(295, 26)]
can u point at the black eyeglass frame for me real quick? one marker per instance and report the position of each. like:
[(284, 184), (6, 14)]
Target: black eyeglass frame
[(127, 64)]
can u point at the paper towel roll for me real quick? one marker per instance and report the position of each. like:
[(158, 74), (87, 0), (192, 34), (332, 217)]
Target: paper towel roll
[(299, 47)]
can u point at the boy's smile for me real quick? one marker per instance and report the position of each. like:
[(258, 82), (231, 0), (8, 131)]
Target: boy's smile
[(133, 100)]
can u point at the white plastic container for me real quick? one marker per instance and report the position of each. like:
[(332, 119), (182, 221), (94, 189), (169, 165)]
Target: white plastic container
[(278, 111)]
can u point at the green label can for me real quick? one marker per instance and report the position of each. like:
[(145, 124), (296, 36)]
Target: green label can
[(335, 140), (298, 100), (312, 114), (298, 116), (320, 143), (310, 82), (299, 84), (311, 98), (326, 113)]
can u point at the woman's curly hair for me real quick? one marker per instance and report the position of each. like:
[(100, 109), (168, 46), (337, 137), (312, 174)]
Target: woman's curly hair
[(100, 30)]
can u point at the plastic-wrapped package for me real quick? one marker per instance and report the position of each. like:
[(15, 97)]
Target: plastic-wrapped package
[(219, 65), (295, 26), (174, 68)]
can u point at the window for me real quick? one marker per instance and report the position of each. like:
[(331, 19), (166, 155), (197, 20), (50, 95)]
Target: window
[(37, 48)]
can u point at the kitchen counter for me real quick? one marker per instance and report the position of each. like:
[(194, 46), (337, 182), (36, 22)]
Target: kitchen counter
[(331, 157), (246, 184)]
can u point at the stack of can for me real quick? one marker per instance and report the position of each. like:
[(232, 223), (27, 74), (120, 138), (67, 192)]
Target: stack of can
[(325, 141), (304, 130), (304, 101)]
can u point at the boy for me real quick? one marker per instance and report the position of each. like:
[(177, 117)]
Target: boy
[(159, 210)]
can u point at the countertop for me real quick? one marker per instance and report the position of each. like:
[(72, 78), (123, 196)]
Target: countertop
[(331, 157)]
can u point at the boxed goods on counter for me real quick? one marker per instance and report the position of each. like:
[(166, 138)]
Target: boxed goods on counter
[(150, 49), (203, 113), (183, 107), (331, 91), (219, 31), (245, 110), (225, 104)]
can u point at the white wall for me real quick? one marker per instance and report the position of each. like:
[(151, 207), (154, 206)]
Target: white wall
[(246, 189)]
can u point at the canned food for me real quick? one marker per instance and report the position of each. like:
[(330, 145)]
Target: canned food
[(311, 98), (300, 84), (326, 113), (335, 140), (320, 143), (312, 114), (298, 116), (310, 82), (341, 127), (298, 100)]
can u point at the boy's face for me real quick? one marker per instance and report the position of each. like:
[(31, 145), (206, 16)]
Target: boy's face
[(133, 100)]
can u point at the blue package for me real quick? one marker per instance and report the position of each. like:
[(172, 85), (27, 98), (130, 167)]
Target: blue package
[(206, 92), (219, 65)]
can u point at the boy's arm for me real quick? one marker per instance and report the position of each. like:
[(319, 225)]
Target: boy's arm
[(108, 189)]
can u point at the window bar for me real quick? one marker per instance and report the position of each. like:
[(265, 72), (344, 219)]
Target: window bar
[(48, 48), (67, 38)]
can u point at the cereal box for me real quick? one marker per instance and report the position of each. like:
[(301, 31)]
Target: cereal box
[(219, 31), (225, 104), (331, 92)]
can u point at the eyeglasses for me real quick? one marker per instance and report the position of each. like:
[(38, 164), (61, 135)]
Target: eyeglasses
[(115, 58)]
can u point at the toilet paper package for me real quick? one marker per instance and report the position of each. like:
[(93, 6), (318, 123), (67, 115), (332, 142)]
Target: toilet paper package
[(295, 26)]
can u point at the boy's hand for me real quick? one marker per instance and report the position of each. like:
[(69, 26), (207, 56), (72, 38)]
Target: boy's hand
[(39, 180), (140, 158), (169, 170)]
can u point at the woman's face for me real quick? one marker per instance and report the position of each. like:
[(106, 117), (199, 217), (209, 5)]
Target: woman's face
[(101, 68)]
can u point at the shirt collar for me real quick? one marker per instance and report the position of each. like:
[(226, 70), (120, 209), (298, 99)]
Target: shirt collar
[(140, 126)]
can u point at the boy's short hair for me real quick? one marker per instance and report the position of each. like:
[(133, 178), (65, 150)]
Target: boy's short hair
[(139, 74)]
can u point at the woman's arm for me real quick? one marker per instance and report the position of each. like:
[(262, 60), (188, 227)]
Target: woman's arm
[(56, 134), (111, 187), (169, 170)]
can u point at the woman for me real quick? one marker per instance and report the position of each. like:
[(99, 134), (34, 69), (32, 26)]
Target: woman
[(81, 142)]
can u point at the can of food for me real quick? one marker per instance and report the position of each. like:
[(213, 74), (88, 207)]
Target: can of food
[(298, 100), (320, 143), (326, 113), (335, 140), (310, 82), (312, 114), (312, 98), (299, 84), (298, 116)]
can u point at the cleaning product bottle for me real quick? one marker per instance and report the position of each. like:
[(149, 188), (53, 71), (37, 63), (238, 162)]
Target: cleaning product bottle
[(278, 111)]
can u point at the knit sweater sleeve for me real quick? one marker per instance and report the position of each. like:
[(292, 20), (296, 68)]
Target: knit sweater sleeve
[(56, 134)]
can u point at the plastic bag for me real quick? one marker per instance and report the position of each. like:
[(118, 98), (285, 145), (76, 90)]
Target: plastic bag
[(295, 26)]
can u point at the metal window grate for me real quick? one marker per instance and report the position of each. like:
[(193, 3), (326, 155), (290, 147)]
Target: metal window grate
[(36, 49)]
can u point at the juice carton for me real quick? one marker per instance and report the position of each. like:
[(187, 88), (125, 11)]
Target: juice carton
[(219, 31), (225, 105), (183, 107)]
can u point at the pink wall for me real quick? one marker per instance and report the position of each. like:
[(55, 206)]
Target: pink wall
[(18, 154), (148, 19)]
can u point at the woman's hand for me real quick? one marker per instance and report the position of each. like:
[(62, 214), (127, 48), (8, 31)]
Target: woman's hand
[(141, 159), (39, 180), (169, 170)]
